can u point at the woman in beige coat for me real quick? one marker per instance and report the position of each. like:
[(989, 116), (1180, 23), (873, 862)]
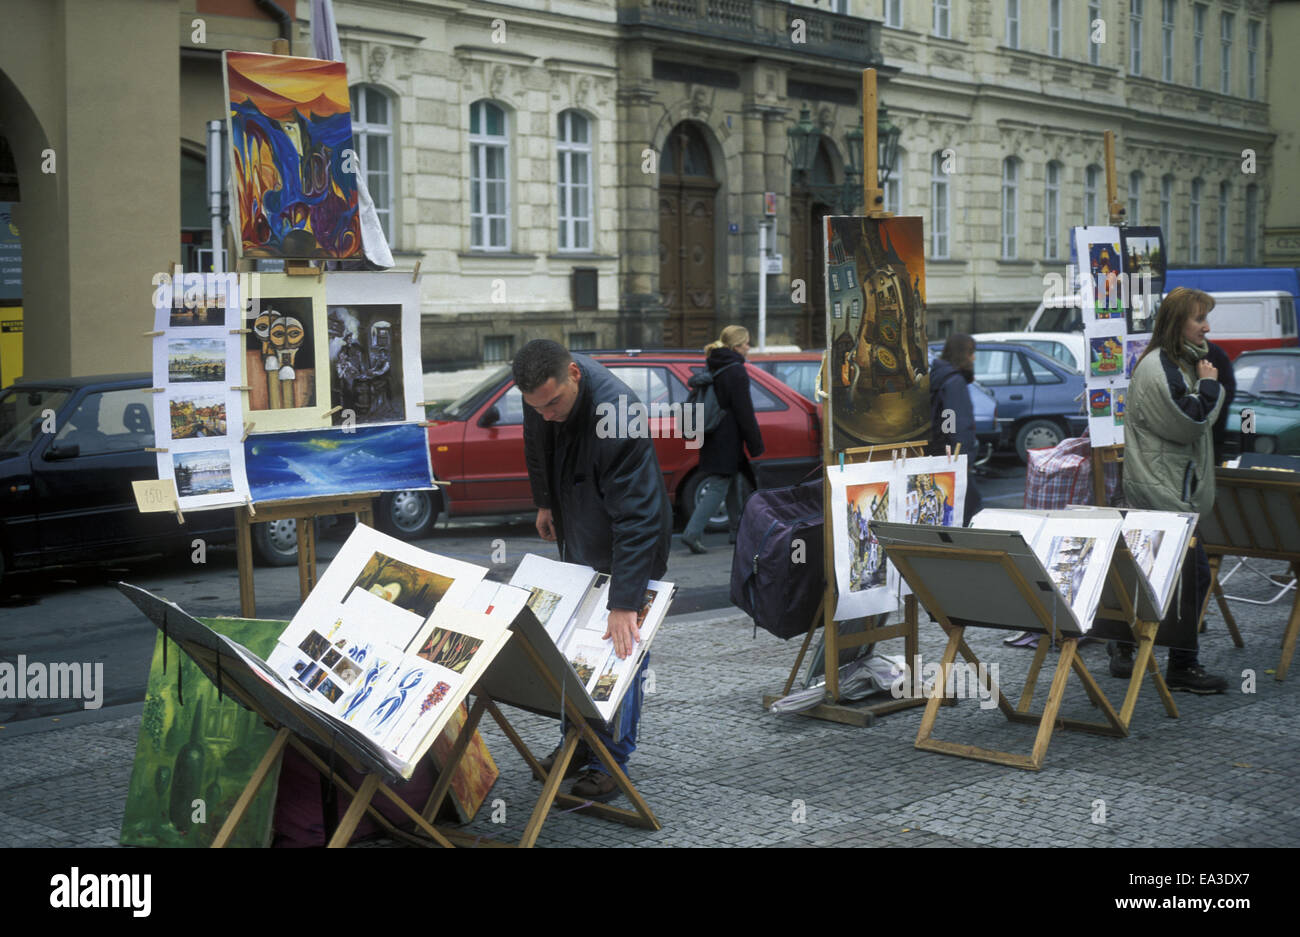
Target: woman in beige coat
[(1173, 400)]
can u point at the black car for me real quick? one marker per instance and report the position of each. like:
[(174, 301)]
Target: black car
[(69, 450)]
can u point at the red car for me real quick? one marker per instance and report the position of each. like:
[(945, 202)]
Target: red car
[(477, 442)]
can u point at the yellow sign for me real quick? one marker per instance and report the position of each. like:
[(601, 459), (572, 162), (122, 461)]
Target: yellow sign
[(155, 494), (11, 344)]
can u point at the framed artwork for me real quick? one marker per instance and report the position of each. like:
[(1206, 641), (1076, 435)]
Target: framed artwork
[(374, 347), (286, 354), (310, 463)]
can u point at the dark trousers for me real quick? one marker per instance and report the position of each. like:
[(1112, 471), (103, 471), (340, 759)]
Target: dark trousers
[(1184, 614), (974, 500)]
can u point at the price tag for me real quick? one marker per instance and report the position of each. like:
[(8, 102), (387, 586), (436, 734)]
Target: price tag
[(155, 494)]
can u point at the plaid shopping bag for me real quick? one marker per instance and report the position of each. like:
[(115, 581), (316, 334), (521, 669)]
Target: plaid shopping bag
[(1062, 475)]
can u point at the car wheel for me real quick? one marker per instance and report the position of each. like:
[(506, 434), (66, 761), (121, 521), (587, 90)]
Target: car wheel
[(1037, 434), (275, 543), (407, 515), (719, 521)]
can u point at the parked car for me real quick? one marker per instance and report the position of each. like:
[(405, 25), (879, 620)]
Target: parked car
[(1039, 400), (1268, 384), (477, 442), (66, 495), (1069, 348), (797, 369)]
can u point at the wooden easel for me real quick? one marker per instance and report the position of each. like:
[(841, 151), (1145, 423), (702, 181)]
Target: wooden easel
[(579, 730), (1256, 514), (860, 714), (1047, 720), (1102, 455), (304, 511)]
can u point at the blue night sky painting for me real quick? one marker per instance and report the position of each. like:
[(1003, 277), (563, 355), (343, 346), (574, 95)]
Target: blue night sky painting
[(311, 463)]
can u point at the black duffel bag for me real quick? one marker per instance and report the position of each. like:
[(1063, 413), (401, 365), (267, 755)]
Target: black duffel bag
[(767, 581)]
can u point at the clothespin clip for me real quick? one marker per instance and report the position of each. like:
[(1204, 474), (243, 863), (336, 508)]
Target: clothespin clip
[(332, 412), (248, 428), (248, 503), (242, 387), (180, 518), (241, 331), (956, 452), (415, 276), (841, 461), (947, 450), (153, 449), (153, 333), (320, 271), (156, 390)]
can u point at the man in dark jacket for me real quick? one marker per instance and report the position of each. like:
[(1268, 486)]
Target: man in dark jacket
[(952, 414), (602, 498)]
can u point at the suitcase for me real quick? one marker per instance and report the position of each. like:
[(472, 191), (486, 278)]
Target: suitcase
[(773, 580)]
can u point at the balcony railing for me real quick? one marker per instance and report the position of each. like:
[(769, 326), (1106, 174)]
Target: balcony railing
[(764, 23)]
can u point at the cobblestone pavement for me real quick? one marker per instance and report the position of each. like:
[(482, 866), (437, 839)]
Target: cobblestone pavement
[(719, 771)]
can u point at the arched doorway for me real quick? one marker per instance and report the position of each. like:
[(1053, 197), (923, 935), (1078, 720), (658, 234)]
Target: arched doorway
[(807, 245), (687, 198)]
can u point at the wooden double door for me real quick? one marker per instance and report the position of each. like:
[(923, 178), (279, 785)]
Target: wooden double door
[(687, 273), (808, 263)]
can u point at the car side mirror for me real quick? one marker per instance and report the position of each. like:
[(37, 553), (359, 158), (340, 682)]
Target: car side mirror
[(62, 450), (490, 417)]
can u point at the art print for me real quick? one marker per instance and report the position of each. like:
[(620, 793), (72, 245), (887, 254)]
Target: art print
[(290, 126), (449, 649), (1098, 402), (1134, 346), (374, 347), (1105, 268), (878, 368), (408, 587), (1106, 355), (1144, 259), (861, 493), (285, 354), (1118, 399), (311, 463), (199, 415), (930, 498), (196, 360), (1067, 561)]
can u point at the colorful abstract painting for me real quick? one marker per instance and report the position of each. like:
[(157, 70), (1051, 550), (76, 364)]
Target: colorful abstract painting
[(311, 463), (196, 752), (875, 322), (293, 186), (476, 771)]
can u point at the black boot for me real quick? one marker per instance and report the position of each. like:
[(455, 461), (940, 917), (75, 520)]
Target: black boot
[(1192, 678), (1121, 659)]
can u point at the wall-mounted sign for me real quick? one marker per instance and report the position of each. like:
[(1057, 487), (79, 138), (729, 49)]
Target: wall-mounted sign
[(11, 255)]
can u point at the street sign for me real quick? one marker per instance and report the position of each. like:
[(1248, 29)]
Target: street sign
[(769, 204), (774, 264), (11, 255)]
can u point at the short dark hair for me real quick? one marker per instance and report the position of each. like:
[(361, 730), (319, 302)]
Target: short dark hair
[(538, 362), (958, 345)]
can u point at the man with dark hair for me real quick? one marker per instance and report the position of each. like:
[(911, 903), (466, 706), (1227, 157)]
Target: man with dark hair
[(952, 414), (602, 499)]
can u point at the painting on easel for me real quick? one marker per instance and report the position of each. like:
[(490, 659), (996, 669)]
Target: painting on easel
[(290, 124), (875, 322)]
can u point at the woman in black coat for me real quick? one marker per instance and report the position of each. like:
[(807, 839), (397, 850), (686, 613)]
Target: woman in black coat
[(722, 452)]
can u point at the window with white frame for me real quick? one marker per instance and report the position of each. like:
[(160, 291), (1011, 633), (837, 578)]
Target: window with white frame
[(1224, 192), (942, 18), (1252, 223), (1225, 53), (894, 185), (1135, 36), (894, 14), (573, 151), (939, 207), (1166, 204), (1252, 59), (489, 149), (1167, 40), (1013, 24), (1052, 212), (1194, 223), (1134, 197), (372, 141), (1094, 47), (1091, 181), (1054, 28), (1010, 191), (1198, 45)]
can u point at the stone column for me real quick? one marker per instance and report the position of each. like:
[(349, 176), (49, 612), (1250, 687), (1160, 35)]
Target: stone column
[(641, 315)]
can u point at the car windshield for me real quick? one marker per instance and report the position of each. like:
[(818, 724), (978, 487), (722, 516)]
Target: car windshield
[(21, 413), (1264, 375), (467, 403)]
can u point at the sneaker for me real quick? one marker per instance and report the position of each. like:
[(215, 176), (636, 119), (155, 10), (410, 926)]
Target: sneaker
[(1022, 639), (1194, 679), (594, 785), (695, 546), (1121, 659), (575, 763)]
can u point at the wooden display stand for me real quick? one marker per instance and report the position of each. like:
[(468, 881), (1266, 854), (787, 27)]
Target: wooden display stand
[(1004, 575), (1256, 514), (860, 714), (1101, 455), (304, 511)]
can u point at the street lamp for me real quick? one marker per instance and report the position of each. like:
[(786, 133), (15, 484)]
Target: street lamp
[(887, 134), (803, 142)]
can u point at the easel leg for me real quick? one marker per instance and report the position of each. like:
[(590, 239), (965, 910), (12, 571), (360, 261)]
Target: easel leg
[(1292, 630), (244, 560), (1031, 680), (936, 697), (250, 790), (356, 809), (1141, 660), (434, 803), (549, 789), (1217, 591), (1162, 688), (1054, 698), (831, 642), (306, 556), (520, 745), (803, 648)]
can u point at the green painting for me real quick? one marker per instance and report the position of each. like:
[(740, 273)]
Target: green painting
[(192, 761)]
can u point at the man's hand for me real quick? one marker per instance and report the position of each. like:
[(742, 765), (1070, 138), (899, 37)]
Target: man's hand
[(622, 628), (545, 524), (1206, 371)]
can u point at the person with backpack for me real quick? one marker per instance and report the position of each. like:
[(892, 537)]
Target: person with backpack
[(1174, 399), (722, 451), (951, 409)]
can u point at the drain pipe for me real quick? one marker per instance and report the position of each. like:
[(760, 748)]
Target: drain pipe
[(278, 13)]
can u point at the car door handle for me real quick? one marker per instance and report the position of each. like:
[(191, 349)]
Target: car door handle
[(1017, 396)]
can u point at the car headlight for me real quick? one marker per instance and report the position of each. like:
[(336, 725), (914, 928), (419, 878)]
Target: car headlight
[(1266, 445)]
